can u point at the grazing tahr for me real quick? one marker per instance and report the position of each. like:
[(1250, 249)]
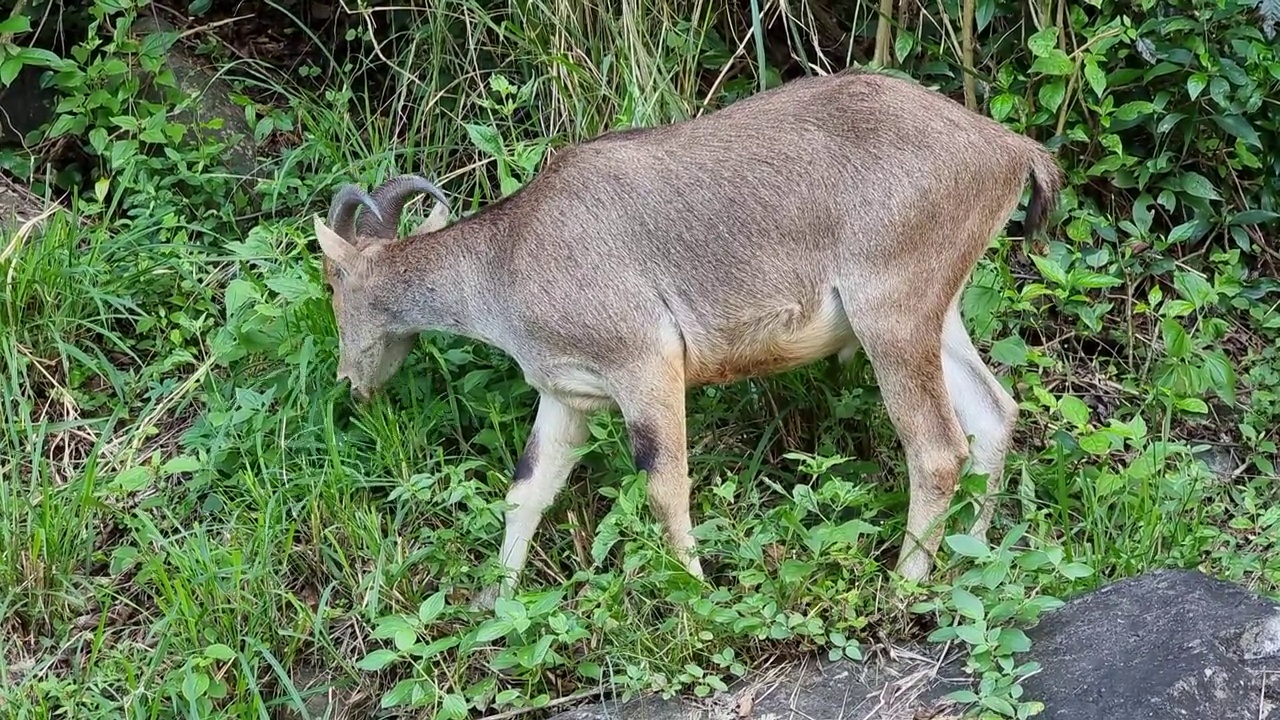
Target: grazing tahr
[(829, 214)]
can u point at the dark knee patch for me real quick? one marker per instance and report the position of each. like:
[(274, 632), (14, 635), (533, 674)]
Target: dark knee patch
[(644, 446), (524, 466)]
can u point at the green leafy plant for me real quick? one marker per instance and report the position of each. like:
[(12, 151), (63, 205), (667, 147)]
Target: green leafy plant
[(983, 608)]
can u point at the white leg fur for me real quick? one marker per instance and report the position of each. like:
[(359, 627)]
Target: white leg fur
[(549, 458), (984, 408)]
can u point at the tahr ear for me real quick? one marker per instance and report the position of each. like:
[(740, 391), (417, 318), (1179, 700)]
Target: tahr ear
[(339, 251), (438, 218)]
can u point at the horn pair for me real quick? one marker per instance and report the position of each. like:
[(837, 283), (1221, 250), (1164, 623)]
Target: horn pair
[(385, 205)]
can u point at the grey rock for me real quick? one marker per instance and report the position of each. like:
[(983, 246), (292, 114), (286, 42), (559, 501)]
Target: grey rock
[(1261, 639), (25, 106), (1219, 460), (212, 117), (1167, 644)]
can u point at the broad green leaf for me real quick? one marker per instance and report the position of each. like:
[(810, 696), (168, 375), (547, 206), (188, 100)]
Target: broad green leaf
[(967, 604), (1193, 405), (404, 639), (430, 650), (430, 608), (9, 70), (132, 479), (971, 634), (1183, 232), (941, 634), (1109, 484), (1254, 217), (453, 707), (1240, 127), (1199, 185), (984, 12), (44, 58), (1176, 342), (1194, 287), (378, 659), (903, 45), (963, 696), (1050, 270), (1196, 84), (194, 685), (1168, 122), (401, 693), (181, 464), (967, 545), (1094, 280), (1013, 640), (1055, 62), (607, 535), (1222, 374), (999, 704), (492, 630), (1033, 559), (1218, 89), (263, 128), (1076, 570), (293, 289), (486, 139), (389, 625), (1011, 351), (1043, 42), (1096, 443), (1134, 109), (98, 138), (15, 24), (1051, 94), (63, 125), (1095, 76), (218, 651), (1074, 410), (1001, 106), (1142, 215)]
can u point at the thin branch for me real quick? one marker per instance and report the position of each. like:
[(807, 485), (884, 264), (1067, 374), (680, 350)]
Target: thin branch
[(966, 48), (884, 40)]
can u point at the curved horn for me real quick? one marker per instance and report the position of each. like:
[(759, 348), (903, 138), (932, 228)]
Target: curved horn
[(342, 210), (391, 198)]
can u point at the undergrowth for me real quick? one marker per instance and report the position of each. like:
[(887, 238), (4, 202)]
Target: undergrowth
[(194, 521)]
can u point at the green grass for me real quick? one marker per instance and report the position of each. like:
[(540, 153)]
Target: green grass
[(193, 517)]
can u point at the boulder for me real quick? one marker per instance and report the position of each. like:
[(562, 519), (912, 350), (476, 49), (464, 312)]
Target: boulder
[(212, 116), (25, 106), (1168, 644)]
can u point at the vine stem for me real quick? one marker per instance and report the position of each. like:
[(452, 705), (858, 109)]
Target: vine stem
[(884, 51), (966, 49)]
